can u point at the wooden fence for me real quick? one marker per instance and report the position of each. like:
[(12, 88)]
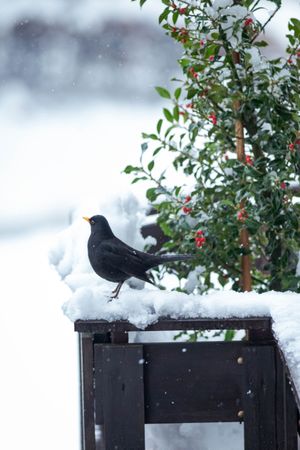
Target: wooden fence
[(127, 385)]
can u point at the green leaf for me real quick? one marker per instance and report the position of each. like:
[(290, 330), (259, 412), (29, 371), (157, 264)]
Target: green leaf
[(135, 180), (159, 125), (129, 169), (177, 190), (191, 93), (168, 115), (261, 44), (163, 15), (177, 93), (150, 165), (151, 194), (166, 228), (153, 136), (175, 16), (162, 92), (229, 335), (176, 113), (158, 149), (296, 26)]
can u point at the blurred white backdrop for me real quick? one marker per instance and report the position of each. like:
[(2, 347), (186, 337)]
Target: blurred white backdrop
[(76, 91)]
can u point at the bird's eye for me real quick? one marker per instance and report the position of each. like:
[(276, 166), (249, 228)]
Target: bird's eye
[(92, 222)]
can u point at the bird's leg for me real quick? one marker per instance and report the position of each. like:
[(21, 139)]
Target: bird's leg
[(117, 290)]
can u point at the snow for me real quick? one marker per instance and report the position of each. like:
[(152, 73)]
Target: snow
[(194, 436), (39, 375), (90, 296)]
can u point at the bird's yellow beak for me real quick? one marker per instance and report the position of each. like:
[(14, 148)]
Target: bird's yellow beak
[(87, 219)]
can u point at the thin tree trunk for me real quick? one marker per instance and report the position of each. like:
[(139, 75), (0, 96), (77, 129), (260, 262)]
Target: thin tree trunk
[(246, 282)]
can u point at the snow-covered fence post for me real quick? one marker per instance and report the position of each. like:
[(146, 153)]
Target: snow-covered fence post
[(127, 385)]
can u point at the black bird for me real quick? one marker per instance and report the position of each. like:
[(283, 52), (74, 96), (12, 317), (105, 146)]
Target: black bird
[(115, 261)]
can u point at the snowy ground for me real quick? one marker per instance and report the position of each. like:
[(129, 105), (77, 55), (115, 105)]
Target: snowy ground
[(39, 376)]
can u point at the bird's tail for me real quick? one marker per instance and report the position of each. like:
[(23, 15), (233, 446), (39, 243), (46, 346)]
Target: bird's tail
[(156, 260)]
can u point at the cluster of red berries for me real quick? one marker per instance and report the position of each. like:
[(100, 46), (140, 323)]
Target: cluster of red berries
[(187, 209), (199, 238), (180, 10), (183, 33), (213, 118), (242, 215), (193, 73), (248, 22)]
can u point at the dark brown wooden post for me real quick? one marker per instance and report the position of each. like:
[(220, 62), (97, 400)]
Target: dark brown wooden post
[(120, 395), (86, 362), (259, 409), (286, 409)]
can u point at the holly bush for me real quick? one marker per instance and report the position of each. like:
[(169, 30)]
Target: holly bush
[(227, 82)]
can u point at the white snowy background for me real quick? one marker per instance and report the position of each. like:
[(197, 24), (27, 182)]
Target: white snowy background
[(61, 156)]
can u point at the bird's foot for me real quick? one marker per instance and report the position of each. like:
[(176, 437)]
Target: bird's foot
[(116, 291), (112, 297)]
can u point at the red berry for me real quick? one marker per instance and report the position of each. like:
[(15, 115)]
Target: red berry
[(283, 185), (200, 241), (292, 147), (187, 199), (186, 209), (213, 118), (248, 22), (211, 58), (242, 215), (182, 10), (249, 160)]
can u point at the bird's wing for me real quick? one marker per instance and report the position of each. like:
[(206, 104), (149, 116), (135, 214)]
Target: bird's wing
[(123, 257)]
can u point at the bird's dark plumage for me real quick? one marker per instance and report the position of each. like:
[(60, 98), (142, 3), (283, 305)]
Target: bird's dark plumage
[(116, 261)]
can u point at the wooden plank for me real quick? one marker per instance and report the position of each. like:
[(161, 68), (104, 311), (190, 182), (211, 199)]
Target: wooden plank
[(280, 423), (87, 392), (291, 417), (286, 409), (259, 411), (120, 390), (296, 394), (166, 324), (192, 382)]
